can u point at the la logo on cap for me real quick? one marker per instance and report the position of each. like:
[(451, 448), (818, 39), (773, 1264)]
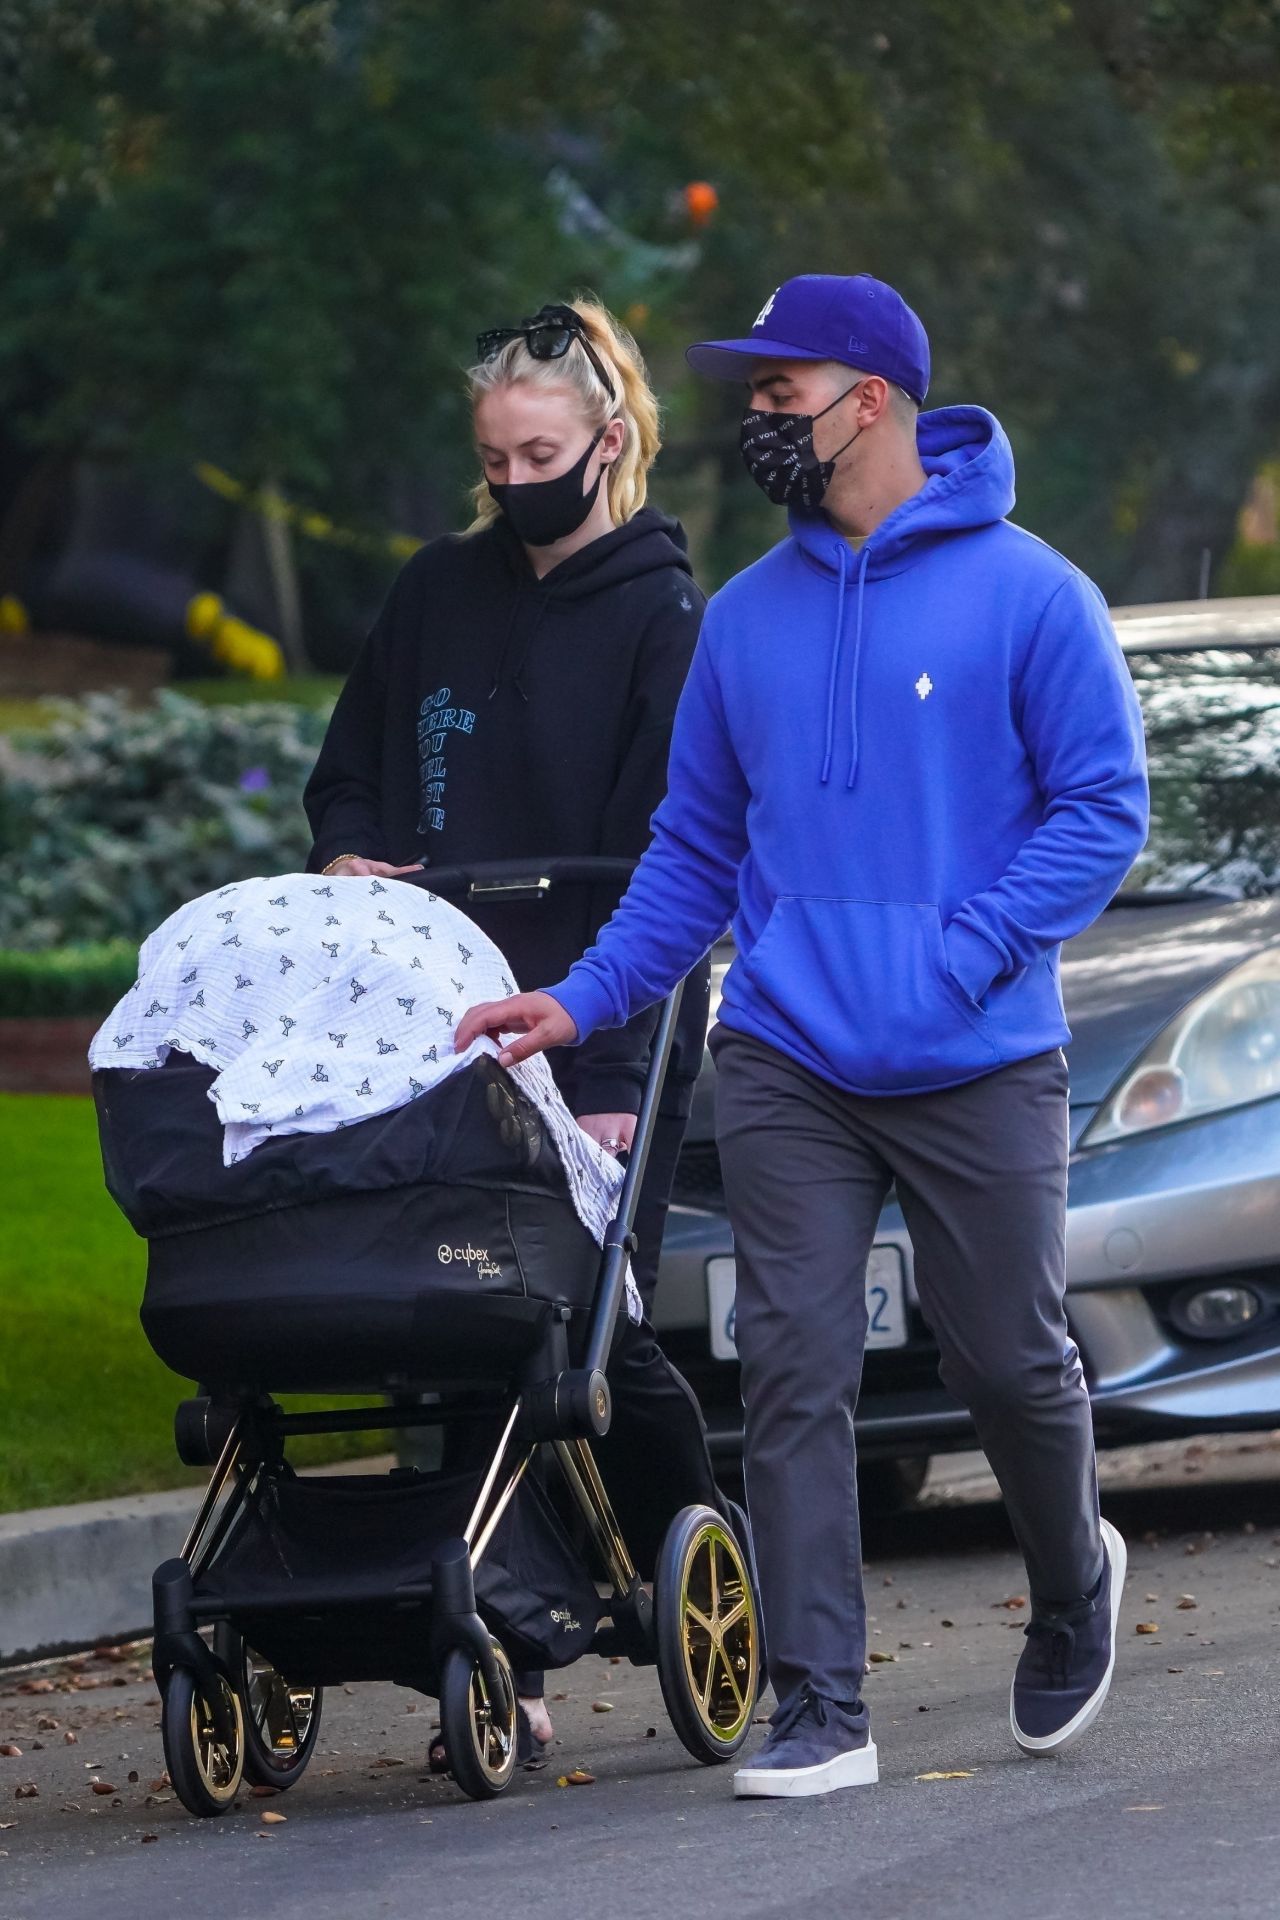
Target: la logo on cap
[(766, 309)]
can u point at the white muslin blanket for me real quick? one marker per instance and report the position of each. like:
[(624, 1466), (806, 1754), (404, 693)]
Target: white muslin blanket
[(320, 1001)]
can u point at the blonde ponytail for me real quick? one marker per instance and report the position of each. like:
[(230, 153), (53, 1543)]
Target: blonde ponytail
[(627, 479)]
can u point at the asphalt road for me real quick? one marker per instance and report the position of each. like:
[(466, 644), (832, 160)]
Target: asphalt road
[(1170, 1808)]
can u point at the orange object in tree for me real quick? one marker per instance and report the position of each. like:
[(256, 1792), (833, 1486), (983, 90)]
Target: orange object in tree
[(701, 201)]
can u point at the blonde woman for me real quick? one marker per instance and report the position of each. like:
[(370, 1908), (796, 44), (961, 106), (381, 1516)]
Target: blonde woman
[(515, 698)]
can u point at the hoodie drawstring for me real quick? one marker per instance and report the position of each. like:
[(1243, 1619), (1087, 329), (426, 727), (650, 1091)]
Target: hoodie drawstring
[(833, 680), (506, 643), (517, 679), (857, 660), (835, 672)]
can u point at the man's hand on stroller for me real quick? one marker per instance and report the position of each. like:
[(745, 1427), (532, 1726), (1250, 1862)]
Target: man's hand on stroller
[(540, 1021)]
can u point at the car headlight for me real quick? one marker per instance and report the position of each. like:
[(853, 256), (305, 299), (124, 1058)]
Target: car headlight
[(1221, 1051)]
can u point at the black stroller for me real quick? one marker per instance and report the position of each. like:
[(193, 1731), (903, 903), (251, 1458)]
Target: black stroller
[(430, 1252)]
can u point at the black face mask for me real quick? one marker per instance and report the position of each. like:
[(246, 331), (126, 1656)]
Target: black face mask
[(544, 511), (778, 450)]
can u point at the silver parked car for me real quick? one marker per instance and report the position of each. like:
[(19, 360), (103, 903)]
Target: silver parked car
[(1173, 998)]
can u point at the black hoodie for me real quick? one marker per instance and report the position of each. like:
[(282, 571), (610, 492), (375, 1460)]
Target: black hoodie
[(492, 715)]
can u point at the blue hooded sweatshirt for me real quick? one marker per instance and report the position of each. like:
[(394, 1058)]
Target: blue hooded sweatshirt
[(905, 773)]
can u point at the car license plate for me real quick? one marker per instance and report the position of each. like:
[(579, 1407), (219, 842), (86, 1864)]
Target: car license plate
[(886, 1302)]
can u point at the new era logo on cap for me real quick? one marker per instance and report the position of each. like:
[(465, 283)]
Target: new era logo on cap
[(853, 318)]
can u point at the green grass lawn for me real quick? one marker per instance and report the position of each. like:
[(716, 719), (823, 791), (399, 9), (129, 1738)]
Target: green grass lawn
[(86, 1409)]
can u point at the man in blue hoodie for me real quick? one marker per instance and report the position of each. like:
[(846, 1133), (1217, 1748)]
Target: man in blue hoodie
[(907, 764)]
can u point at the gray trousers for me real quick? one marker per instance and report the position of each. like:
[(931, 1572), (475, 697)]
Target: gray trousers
[(980, 1172)]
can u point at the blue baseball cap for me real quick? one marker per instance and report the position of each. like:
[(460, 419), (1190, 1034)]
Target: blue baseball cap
[(829, 316)]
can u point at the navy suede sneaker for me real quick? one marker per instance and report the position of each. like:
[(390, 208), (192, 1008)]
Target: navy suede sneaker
[(814, 1745), (1064, 1674)]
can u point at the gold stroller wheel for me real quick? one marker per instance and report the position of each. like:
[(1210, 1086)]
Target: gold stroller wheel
[(478, 1727), (205, 1768), (281, 1718), (708, 1634), (281, 1722)]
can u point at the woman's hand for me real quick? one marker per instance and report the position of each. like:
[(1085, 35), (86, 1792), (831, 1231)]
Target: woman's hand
[(541, 1021), (612, 1131), (357, 867)]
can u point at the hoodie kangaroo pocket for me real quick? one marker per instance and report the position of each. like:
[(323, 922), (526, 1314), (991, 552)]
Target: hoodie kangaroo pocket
[(863, 987)]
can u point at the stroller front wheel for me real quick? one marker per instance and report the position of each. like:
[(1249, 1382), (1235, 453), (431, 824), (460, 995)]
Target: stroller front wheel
[(206, 1769), (479, 1731), (708, 1634), (281, 1720)]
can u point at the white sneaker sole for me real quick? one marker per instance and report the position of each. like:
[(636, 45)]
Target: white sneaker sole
[(1118, 1555), (861, 1768)]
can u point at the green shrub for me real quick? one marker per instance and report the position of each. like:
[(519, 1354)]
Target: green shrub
[(115, 815), (66, 980)]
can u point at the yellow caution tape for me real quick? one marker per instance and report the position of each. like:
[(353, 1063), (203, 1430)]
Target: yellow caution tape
[(315, 526)]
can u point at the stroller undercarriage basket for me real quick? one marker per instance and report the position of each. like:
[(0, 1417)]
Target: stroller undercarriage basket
[(331, 1576)]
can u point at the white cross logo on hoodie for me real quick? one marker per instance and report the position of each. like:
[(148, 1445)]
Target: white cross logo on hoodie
[(924, 686)]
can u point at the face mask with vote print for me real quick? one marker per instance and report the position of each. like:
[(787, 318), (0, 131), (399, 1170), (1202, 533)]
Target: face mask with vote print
[(778, 451)]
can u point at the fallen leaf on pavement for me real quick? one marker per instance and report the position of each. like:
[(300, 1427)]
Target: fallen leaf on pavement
[(1147, 1626), (1152, 1809), (11, 1750), (35, 1686), (263, 1793), (602, 1706), (70, 1739), (146, 1838), (946, 1623), (158, 1786), (386, 1760), (1175, 1669), (1187, 1603), (47, 1723), (101, 1787), (1012, 1604), (881, 1659), (957, 1773), (27, 1791), (6, 1824), (578, 1778), (269, 1819)]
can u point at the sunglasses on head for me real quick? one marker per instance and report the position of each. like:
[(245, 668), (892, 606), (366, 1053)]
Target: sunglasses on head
[(548, 336)]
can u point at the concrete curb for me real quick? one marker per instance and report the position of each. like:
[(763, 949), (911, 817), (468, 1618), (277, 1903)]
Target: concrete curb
[(80, 1576), (73, 1577)]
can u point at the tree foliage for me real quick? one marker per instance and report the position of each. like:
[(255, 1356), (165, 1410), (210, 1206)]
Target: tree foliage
[(263, 233)]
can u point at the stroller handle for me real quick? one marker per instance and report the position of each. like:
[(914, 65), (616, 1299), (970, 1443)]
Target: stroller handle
[(494, 882)]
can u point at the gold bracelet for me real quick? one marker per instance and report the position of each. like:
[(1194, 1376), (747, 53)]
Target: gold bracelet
[(340, 857)]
